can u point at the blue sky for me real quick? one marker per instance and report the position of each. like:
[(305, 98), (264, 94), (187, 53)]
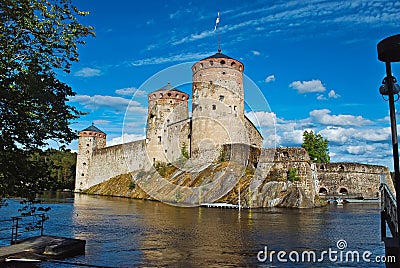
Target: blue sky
[(315, 62)]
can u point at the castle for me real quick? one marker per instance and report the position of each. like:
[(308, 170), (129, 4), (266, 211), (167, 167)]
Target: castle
[(218, 124), (218, 118)]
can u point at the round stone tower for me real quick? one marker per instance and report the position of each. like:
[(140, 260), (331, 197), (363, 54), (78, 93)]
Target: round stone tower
[(168, 125), (90, 139), (218, 104)]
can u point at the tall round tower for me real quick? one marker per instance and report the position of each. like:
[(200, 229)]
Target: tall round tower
[(168, 125), (90, 139), (218, 104)]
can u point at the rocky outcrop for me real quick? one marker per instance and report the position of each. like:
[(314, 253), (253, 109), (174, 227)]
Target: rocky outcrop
[(281, 177), (217, 182)]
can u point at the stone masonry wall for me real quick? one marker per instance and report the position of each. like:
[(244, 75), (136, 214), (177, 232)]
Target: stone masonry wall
[(254, 136), (115, 160), (271, 166), (351, 178)]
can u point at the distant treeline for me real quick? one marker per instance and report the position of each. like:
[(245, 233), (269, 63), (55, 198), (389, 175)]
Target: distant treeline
[(59, 168), (30, 173)]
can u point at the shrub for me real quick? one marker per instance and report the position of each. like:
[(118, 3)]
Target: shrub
[(292, 175), (132, 185)]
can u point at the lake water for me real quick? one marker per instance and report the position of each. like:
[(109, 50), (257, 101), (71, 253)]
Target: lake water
[(134, 233)]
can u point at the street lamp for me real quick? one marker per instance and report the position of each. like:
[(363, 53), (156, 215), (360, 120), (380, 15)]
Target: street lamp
[(389, 51)]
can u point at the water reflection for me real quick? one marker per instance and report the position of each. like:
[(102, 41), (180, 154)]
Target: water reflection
[(129, 233)]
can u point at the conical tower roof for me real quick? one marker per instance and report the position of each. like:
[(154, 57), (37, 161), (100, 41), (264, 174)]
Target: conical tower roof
[(93, 128)]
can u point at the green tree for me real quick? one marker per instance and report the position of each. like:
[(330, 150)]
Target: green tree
[(61, 168), (316, 146), (292, 175), (38, 38)]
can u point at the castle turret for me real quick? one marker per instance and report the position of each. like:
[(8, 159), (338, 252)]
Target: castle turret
[(168, 126), (218, 104), (90, 139)]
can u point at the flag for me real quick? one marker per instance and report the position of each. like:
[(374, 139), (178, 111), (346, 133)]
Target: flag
[(216, 22)]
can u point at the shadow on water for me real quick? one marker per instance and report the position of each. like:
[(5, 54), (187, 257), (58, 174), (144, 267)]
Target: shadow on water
[(126, 233)]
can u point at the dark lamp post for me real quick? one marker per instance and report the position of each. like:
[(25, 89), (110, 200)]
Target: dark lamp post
[(389, 51)]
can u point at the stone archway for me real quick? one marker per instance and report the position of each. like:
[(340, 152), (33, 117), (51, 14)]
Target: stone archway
[(323, 191), (343, 191)]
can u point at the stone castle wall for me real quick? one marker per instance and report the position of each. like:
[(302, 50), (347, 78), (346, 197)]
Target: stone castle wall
[(116, 160), (269, 185), (254, 136), (352, 178), (177, 136), (271, 166)]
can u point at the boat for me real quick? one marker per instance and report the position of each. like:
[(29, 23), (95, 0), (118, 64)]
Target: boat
[(339, 202), (361, 201)]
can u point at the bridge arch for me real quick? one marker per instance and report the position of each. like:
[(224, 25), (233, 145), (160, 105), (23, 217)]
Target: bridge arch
[(343, 190), (323, 191)]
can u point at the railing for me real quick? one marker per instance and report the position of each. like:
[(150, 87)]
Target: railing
[(388, 212), (21, 226)]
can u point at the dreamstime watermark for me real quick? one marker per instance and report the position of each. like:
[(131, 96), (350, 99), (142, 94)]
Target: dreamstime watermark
[(340, 254)]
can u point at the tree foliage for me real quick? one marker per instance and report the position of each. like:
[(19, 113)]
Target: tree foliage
[(292, 175), (38, 38), (44, 170), (316, 146)]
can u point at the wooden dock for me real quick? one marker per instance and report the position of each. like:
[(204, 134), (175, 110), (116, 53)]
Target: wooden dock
[(219, 205), (40, 248)]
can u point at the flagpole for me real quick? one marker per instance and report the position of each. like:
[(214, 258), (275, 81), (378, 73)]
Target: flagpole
[(217, 28), (219, 41), (219, 37)]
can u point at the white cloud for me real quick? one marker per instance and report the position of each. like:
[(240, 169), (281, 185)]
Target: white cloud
[(256, 53), (272, 141), (270, 78), (308, 86), (175, 14), (100, 101), (125, 138), (101, 122), (298, 19), (293, 137), (172, 58), (332, 94), (262, 118), (137, 109), (324, 117), (321, 97), (360, 149), (342, 135), (130, 91), (88, 72), (193, 37), (338, 135), (376, 135)]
